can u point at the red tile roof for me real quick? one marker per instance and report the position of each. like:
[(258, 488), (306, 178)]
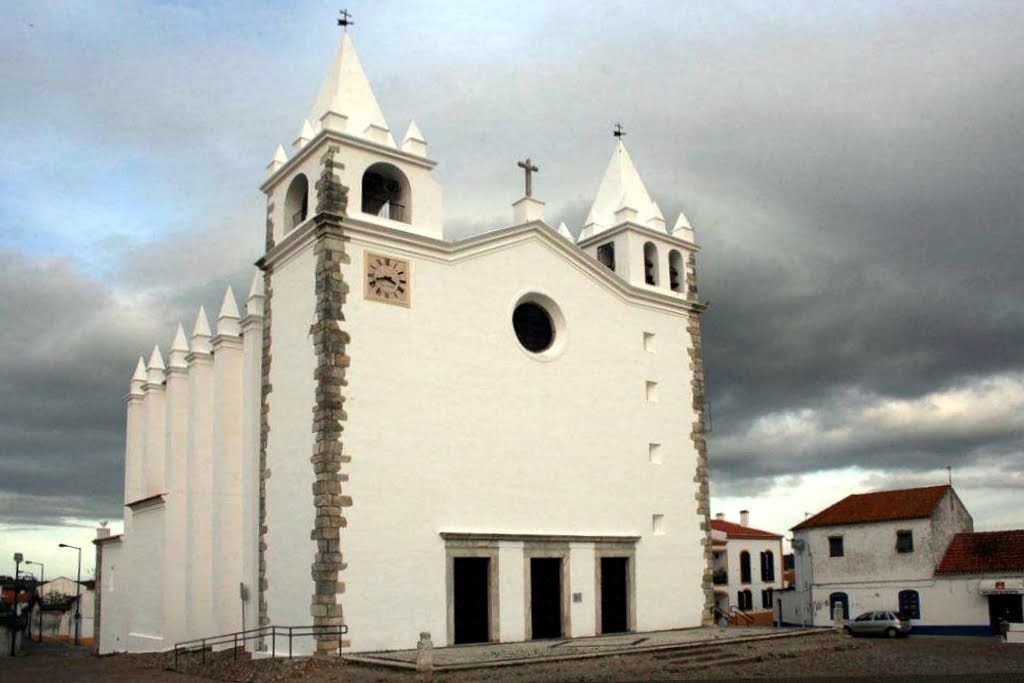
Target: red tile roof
[(984, 552), (880, 506), (739, 531)]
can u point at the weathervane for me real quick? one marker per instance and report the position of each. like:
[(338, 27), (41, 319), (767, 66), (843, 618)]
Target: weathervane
[(529, 169), (345, 19), (618, 132)]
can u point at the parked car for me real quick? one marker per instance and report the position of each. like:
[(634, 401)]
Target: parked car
[(881, 623)]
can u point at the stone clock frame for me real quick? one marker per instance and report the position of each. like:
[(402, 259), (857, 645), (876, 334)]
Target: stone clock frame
[(370, 258)]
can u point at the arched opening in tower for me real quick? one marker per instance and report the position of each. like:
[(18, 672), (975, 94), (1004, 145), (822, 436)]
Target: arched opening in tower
[(296, 202), (386, 193)]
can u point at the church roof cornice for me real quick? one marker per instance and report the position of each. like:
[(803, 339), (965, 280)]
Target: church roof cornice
[(642, 229), (469, 247), (315, 146)]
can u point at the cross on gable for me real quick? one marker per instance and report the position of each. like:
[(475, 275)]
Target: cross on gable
[(529, 169), (345, 19), (618, 131)]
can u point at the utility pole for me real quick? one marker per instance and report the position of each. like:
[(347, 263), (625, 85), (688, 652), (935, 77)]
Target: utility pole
[(14, 631), (78, 594)]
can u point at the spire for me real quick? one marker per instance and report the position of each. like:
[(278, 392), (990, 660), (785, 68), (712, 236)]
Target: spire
[(227, 320), (414, 142), (622, 197), (346, 102), (179, 349), (305, 135), (254, 302), (155, 374), (279, 160), (682, 228), (564, 232), (201, 333), (138, 378)]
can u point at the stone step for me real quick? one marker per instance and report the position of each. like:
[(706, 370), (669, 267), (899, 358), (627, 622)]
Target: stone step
[(722, 660), (690, 652)]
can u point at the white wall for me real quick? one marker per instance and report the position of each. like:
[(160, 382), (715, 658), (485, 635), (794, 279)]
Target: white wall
[(733, 549), (113, 609), (453, 426), (143, 604)]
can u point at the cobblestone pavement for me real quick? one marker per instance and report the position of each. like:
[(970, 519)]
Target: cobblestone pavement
[(825, 655)]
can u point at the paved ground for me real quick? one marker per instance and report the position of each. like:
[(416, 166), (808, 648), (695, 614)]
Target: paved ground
[(826, 655), (553, 649)]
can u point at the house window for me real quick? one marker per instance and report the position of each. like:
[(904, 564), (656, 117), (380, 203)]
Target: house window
[(766, 598), (744, 567), (910, 605), (745, 600), (905, 541), (767, 566), (835, 546)]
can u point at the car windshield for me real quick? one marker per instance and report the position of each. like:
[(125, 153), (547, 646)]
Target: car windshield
[(867, 616)]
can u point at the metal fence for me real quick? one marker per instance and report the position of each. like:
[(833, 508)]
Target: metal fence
[(271, 633)]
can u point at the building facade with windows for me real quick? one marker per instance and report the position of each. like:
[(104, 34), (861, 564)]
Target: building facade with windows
[(894, 550), (747, 570), (497, 438)]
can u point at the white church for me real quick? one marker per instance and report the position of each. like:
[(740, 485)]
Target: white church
[(494, 439)]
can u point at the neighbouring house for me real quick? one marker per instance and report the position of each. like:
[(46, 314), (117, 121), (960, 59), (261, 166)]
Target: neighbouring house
[(746, 569), (911, 551), (380, 441), (58, 605)]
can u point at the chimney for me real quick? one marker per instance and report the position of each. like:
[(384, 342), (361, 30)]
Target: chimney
[(745, 517), (720, 515), (103, 531)]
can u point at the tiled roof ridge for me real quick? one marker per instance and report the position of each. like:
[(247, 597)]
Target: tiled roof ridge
[(893, 504), (984, 552), (737, 530)]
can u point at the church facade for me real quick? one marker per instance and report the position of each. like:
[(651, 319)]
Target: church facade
[(493, 439)]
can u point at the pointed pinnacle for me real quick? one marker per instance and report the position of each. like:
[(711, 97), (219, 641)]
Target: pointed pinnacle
[(156, 360), (140, 371), (228, 308), (202, 326), (179, 343)]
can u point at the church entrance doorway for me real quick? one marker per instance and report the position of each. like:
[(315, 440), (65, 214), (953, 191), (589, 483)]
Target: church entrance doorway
[(471, 599), (546, 597), (614, 594)]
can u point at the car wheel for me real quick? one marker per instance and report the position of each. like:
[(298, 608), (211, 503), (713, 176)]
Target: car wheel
[(849, 631), (890, 632)]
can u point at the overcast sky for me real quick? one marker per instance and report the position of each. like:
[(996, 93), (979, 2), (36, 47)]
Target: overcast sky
[(853, 172)]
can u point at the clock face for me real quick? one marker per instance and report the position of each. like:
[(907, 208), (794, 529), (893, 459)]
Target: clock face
[(387, 279)]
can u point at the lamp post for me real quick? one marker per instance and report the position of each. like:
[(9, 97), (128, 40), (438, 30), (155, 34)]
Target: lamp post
[(18, 557), (42, 580), (78, 593)]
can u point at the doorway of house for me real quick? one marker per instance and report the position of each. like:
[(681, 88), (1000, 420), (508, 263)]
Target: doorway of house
[(1008, 606), (546, 597), (614, 598), (471, 599)]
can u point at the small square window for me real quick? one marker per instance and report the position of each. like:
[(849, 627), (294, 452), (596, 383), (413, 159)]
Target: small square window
[(904, 541), (835, 546), (654, 453), (649, 342), (658, 525), (651, 391)]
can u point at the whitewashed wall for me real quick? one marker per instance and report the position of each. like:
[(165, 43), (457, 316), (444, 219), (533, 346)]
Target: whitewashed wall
[(113, 606), (734, 547)]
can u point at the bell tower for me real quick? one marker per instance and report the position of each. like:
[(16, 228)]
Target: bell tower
[(390, 185)]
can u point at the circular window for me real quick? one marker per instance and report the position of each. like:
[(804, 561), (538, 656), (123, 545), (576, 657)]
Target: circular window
[(533, 327)]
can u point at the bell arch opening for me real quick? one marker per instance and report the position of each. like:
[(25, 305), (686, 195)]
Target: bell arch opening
[(675, 270), (651, 264), (296, 202), (386, 193)]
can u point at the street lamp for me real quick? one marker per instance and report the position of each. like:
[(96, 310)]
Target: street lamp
[(42, 579), (78, 593)]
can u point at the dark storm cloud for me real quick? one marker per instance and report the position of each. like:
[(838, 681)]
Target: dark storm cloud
[(853, 177)]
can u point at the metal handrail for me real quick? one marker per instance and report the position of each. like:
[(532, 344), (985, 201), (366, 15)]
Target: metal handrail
[(260, 633)]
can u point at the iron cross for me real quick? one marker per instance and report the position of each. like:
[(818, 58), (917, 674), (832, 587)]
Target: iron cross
[(618, 132), (345, 19), (529, 169)]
